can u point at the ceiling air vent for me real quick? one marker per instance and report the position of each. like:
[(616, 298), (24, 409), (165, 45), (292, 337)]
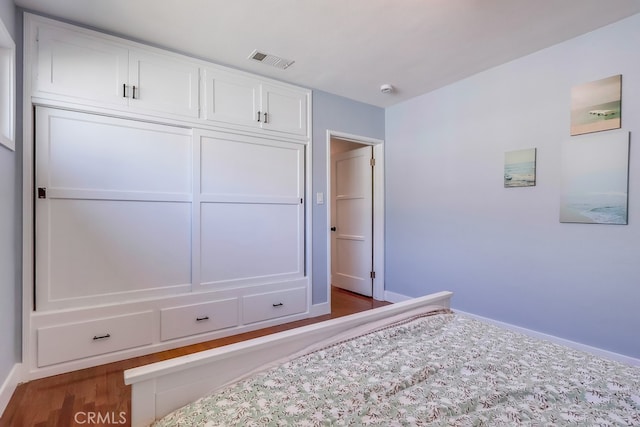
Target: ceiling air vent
[(267, 59)]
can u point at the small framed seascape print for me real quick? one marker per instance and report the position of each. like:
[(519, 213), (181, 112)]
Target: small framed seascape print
[(520, 168), (596, 106)]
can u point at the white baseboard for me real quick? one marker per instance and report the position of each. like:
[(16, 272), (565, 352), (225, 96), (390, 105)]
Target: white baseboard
[(320, 309), (628, 360), (605, 354), (9, 386), (394, 297)]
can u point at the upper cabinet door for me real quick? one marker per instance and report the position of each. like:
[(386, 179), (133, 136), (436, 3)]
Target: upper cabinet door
[(160, 83), (231, 98), (80, 66), (84, 67), (286, 109)]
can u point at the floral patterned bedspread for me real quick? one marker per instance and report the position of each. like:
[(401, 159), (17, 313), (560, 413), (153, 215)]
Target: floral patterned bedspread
[(446, 369)]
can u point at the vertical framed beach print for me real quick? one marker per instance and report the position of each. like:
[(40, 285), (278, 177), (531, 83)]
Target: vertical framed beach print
[(595, 171), (596, 106), (520, 168)]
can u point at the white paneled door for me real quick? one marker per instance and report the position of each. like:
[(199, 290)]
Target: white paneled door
[(251, 211), (352, 228), (113, 209)]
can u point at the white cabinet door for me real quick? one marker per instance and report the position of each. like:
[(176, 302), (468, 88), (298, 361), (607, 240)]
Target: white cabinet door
[(81, 66), (286, 109), (164, 84), (231, 98), (113, 213), (251, 211), (101, 72), (244, 100)]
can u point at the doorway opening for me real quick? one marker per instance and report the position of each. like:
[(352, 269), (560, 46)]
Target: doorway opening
[(355, 195)]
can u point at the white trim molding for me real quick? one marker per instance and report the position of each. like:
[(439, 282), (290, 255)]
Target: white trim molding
[(320, 309), (395, 297), (378, 208), (605, 354), (9, 386)]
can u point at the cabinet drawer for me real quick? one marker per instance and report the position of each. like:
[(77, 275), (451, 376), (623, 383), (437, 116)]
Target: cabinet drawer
[(194, 319), (274, 304), (72, 341)]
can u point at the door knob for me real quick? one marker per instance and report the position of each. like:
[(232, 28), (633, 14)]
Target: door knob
[(333, 229)]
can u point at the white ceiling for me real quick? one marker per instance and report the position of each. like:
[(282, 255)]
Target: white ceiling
[(350, 47)]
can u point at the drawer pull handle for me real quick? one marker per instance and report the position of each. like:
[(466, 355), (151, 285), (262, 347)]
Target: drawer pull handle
[(101, 337), (278, 304), (202, 319)]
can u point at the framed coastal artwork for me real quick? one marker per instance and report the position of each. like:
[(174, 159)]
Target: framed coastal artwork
[(520, 168), (595, 170), (596, 106)]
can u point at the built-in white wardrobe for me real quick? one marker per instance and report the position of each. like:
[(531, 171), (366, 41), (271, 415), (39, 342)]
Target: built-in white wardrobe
[(165, 199)]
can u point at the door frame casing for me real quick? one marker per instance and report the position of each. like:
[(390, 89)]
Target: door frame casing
[(378, 208)]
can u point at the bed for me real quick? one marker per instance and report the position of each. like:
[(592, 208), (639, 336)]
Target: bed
[(412, 363)]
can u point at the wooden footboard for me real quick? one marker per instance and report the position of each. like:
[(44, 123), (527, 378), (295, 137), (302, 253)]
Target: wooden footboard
[(162, 387)]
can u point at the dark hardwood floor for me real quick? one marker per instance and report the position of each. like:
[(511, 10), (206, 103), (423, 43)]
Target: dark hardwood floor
[(69, 399)]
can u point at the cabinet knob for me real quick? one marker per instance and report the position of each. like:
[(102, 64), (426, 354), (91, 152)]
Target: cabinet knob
[(258, 116), (278, 304), (202, 319), (265, 117)]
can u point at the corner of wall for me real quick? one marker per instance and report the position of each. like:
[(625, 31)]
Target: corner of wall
[(9, 386)]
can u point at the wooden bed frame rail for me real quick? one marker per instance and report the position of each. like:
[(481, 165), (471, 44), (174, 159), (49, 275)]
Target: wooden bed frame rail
[(159, 388)]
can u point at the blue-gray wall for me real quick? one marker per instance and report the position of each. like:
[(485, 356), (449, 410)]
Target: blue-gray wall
[(450, 224), (335, 113), (10, 238)]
